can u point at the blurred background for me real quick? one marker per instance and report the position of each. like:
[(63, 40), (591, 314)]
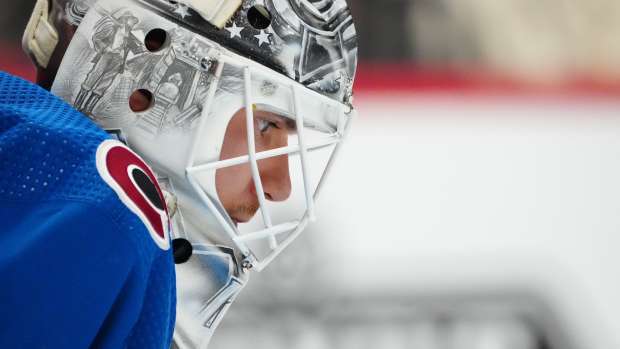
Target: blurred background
[(476, 205)]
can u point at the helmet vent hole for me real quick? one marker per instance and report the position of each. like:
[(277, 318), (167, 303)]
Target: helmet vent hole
[(259, 17), (155, 40), (141, 100)]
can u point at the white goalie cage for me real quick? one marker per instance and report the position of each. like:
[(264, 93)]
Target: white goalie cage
[(316, 126)]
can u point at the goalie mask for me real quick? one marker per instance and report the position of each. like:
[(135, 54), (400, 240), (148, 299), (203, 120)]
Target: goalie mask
[(249, 102)]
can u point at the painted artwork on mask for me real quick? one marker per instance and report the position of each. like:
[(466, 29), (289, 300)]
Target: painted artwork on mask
[(119, 63)]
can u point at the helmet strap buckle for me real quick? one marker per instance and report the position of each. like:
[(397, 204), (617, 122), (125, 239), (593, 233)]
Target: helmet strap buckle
[(40, 37)]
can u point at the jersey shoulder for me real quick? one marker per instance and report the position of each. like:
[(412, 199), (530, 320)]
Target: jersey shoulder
[(49, 151), (46, 146), (77, 204)]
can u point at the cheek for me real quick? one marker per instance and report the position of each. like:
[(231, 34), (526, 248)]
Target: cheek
[(232, 184), (235, 139), (234, 145)]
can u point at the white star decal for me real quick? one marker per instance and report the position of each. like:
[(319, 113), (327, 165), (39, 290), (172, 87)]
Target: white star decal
[(182, 10), (263, 38), (234, 30)]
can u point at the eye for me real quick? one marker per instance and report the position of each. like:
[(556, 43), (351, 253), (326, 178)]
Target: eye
[(265, 125)]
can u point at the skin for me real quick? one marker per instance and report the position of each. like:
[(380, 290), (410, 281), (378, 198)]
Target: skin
[(235, 185)]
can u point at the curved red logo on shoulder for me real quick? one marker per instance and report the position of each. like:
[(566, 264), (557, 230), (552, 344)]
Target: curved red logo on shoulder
[(136, 185)]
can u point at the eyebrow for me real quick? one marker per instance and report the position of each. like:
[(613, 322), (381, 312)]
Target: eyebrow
[(290, 123)]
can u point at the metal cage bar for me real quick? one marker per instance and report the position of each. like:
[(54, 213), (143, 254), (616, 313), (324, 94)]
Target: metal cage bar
[(303, 154), (258, 183)]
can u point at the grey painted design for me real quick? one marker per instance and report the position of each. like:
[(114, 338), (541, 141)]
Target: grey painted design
[(311, 41)]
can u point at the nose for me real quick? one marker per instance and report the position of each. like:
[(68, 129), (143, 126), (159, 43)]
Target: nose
[(274, 174)]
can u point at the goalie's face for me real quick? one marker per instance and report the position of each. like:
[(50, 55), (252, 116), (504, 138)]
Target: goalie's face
[(260, 153), (235, 186)]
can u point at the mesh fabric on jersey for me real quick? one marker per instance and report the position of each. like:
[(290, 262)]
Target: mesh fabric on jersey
[(78, 268)]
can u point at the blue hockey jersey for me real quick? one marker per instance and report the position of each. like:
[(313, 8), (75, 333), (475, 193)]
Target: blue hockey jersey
[(85, 258)]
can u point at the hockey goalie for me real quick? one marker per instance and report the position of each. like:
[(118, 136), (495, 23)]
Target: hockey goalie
[(170, 150)]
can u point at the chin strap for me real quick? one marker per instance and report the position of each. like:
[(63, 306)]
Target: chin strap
[(171, 203), (216, 12), (40, 38)]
